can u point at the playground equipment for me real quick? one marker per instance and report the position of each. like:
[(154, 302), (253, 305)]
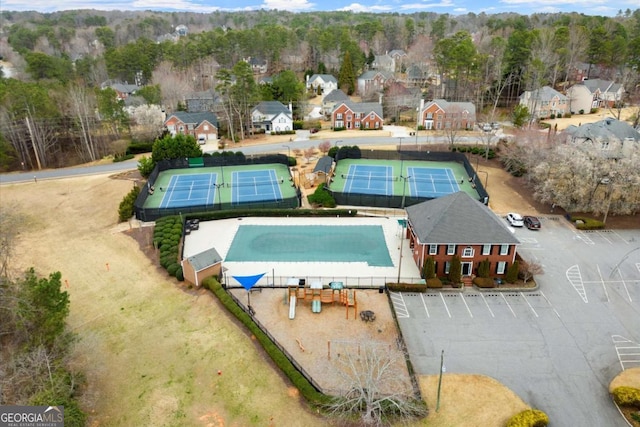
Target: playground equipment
[(317, 295)]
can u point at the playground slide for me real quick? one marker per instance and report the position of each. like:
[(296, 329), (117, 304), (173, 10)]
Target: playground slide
[(292, 306)]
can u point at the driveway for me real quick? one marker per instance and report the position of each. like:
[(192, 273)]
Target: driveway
[(557, 347)]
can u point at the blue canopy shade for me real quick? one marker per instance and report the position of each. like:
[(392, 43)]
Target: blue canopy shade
[(248, 282)]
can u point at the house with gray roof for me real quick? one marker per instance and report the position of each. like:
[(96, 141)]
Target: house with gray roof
[(357, 115), (458, 225), (203, 125), (614, 138), (371, 82), (441, 114), (596, 93), (272, 116), (544, 102), (326, 83), (330, 100)]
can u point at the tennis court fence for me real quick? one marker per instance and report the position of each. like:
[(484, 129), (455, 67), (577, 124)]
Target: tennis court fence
[(369, 282)]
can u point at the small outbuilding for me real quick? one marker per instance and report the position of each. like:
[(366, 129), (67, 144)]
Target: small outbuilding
[(200, 266)]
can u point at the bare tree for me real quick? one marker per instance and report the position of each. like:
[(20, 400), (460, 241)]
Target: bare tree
[(528, 269), (83, 108), (308, 153), (324, 147), (173, 82), (373, 387)]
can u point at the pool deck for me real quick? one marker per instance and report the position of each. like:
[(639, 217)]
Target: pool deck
[(220, 234)]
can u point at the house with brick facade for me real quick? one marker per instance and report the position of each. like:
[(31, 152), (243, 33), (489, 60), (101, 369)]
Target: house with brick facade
[(374, 81), (440, 114), (458, 224), (203, 126), (545, 102), (357, 115), (595, 93)]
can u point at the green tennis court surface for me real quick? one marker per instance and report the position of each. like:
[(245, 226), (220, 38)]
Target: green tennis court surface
[(310, 243)]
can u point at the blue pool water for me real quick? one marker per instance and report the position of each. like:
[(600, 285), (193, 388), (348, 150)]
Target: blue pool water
[(310, 243)]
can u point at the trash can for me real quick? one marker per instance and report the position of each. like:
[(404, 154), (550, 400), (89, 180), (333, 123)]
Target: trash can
[(381, 290)]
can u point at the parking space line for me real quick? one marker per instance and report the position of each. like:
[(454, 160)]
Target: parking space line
[(529, 304), (445, 305), (399, 305), (550, 305), (466, 305), (487, 304), (625, 285), (628, 351), (620, 237), (508, 305), (424, 304), (575, 278), (603, 284), (586, 239), (601, 234), (638, 266)]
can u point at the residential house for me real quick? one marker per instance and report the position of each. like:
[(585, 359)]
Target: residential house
[(123, 90), (400, 97), (457, 224), (258, 65), (206, 100), (399, 57), (331, 99), (326, 82), (613, 137), (544, 102), (371, 82), (440, 114), (357, 115), (595, 93), (272, 116), (384, 63), (203, 126)]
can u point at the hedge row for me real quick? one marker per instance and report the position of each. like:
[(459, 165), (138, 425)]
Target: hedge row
[(125, 210), (312, 396), (627, 396), (166, 237), (584, 223), (484, 282), (236, 213), (529, 418), (407, 287), (322, 197)]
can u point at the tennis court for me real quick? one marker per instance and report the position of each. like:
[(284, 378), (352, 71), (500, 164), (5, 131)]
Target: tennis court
[(431, 182), (252, 186), (369, 179), (221, 187)]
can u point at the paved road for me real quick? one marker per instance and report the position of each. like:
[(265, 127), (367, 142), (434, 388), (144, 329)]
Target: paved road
[(400, 138), (558, 347)]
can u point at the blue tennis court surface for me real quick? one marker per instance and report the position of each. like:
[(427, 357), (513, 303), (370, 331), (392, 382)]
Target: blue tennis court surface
[(431, 182), (255, 186), (369, 179), (190, 190)]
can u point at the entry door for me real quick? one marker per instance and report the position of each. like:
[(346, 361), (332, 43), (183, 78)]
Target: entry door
[(467, 267)]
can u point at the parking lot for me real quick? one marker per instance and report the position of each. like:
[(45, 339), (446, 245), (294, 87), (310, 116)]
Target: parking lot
[(558, 346)]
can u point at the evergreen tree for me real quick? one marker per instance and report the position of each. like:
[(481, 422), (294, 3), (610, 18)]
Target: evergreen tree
[(455, 270), (347, 77), (429, 269), (512, 273)]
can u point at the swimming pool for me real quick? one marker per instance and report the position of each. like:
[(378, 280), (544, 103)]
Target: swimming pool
[(310, 243)]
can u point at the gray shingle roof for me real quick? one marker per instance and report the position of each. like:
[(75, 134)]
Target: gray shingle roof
[(451, 106), (205, 259), (603, 85), (196, 118), (272, 108), (325, 77), (363, 107), (335, 95), (546, 93), (458, 219), (604, 130)]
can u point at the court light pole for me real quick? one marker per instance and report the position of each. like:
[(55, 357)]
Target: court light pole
[(288, 151)]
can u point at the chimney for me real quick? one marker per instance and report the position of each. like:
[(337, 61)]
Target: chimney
[(290, 108)]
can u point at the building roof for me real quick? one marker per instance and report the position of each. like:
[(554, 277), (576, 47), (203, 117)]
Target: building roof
[(196, 117), (272, 108), (370, 75), (606, 129), (449, 106), (601, 85), (325, 77), (458, 219), (545, 93), (363, 107), (335, 95), (205, 259), (324, 165)]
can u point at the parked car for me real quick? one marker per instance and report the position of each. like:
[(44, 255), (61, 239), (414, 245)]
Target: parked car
[(202, 140), (515, 220), (532, 223)]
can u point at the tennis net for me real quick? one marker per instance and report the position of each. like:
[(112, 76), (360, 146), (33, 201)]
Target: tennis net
[(369, 177), (255, 183), (191, 187)]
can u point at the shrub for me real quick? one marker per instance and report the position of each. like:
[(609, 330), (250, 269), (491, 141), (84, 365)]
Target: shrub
[(627, 396), (559, 116), (322, 197), (581, 111), (339, 129), (484, 282), (173, 268), (145, 166), (529, 418), (583, 223), (140, 147), (553, 116), (593, 111), (484, 268), (407, 287), (434, 282), (455, 270), (512, 272), (125, 210), (122, 157), (429, 269), (180, 274)]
